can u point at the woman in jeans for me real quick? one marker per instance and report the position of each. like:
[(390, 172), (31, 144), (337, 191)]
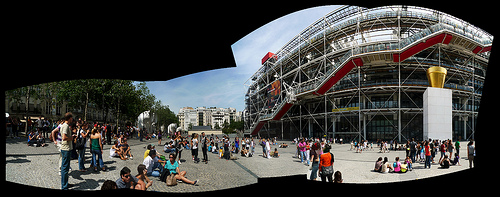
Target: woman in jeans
[(82, 133), (96, 148), (427, 150)]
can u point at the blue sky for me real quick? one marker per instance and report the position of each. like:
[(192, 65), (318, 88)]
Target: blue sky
[(224, 87)]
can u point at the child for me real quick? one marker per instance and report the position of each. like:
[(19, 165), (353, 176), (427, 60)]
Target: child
[(220, 152), (408, 163)]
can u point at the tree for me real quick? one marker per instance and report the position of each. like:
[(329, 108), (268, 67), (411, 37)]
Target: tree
[(164, 115), (226, 128), (122, 97), (238, 125)]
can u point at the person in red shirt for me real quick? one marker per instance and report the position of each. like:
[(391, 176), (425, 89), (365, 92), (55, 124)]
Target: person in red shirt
[(427, 149)]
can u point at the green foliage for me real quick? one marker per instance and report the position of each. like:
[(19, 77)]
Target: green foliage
[(124, 97), (232, 127)]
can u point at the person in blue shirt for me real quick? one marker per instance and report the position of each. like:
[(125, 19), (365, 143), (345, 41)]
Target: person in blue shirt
[(173, 167), (31, 138)]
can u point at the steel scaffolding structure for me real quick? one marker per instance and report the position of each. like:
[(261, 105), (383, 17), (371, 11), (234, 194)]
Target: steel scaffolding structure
[(360, 73)]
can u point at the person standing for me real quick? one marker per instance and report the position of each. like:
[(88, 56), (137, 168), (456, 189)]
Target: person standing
[(108, 133), (302, 150), (457, 148), (315, 161), (263, 144), (326, 164), (268, 149), (159, 137), (450, 148), (471, 153), (82, 134), (204, 149), (66, 147), (427, 149), (413, 149), (194, 147), (96, 149), (237, 144), (442, 149), (39, 124)]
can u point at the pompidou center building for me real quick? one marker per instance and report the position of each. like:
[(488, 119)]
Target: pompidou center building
[(359, 73)]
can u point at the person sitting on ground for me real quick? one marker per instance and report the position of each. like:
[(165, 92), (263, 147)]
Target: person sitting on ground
[(152, 162), (114, 151), (31, 138), (233, 149), (146, 153), (386, 167), (210, 147), (275, 153), (378, 165), (283, 145), (169, 147), (109, 185), (445, 163), (40, 141), (456, 160), (173, 167), (125, 149), (127, 181), (337, 177), (244, 152), (143, 178), (398, 167)]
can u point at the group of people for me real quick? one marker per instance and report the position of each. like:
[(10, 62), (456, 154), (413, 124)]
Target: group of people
[(425, 151), (39, 126), (71, 137), (316, 153), (151, 166), (322, 163)]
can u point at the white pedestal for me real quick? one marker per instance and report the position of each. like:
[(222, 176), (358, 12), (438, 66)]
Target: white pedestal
[(438, 117)]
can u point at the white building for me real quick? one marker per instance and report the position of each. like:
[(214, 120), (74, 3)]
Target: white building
[(202, 116)]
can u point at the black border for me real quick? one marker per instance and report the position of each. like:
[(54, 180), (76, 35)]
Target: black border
[(158, 42)]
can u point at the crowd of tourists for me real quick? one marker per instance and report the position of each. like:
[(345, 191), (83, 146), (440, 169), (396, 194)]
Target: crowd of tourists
[(425, 152), (71, 136)]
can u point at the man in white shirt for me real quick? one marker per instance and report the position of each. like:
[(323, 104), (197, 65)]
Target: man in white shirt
[(66, 147), (152, 162)]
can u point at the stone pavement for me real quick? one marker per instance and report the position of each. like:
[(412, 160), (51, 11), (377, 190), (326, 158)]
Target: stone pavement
[(38, 166), (357, 167)]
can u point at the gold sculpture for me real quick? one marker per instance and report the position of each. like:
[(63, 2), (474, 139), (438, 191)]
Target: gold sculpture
[(436, 76)]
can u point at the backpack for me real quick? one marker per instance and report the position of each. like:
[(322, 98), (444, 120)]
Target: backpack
[(80, 142), (164, 175)]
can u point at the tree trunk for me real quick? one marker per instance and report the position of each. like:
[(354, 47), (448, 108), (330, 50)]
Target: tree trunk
[(27, 108), (86, 105)]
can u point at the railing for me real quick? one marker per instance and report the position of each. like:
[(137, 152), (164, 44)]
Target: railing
[(319, 28), (389, 46)]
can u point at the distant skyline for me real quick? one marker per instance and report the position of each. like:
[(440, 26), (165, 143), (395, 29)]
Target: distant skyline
[(225, 87)]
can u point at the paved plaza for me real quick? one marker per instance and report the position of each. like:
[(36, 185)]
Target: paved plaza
[(38, 166)]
